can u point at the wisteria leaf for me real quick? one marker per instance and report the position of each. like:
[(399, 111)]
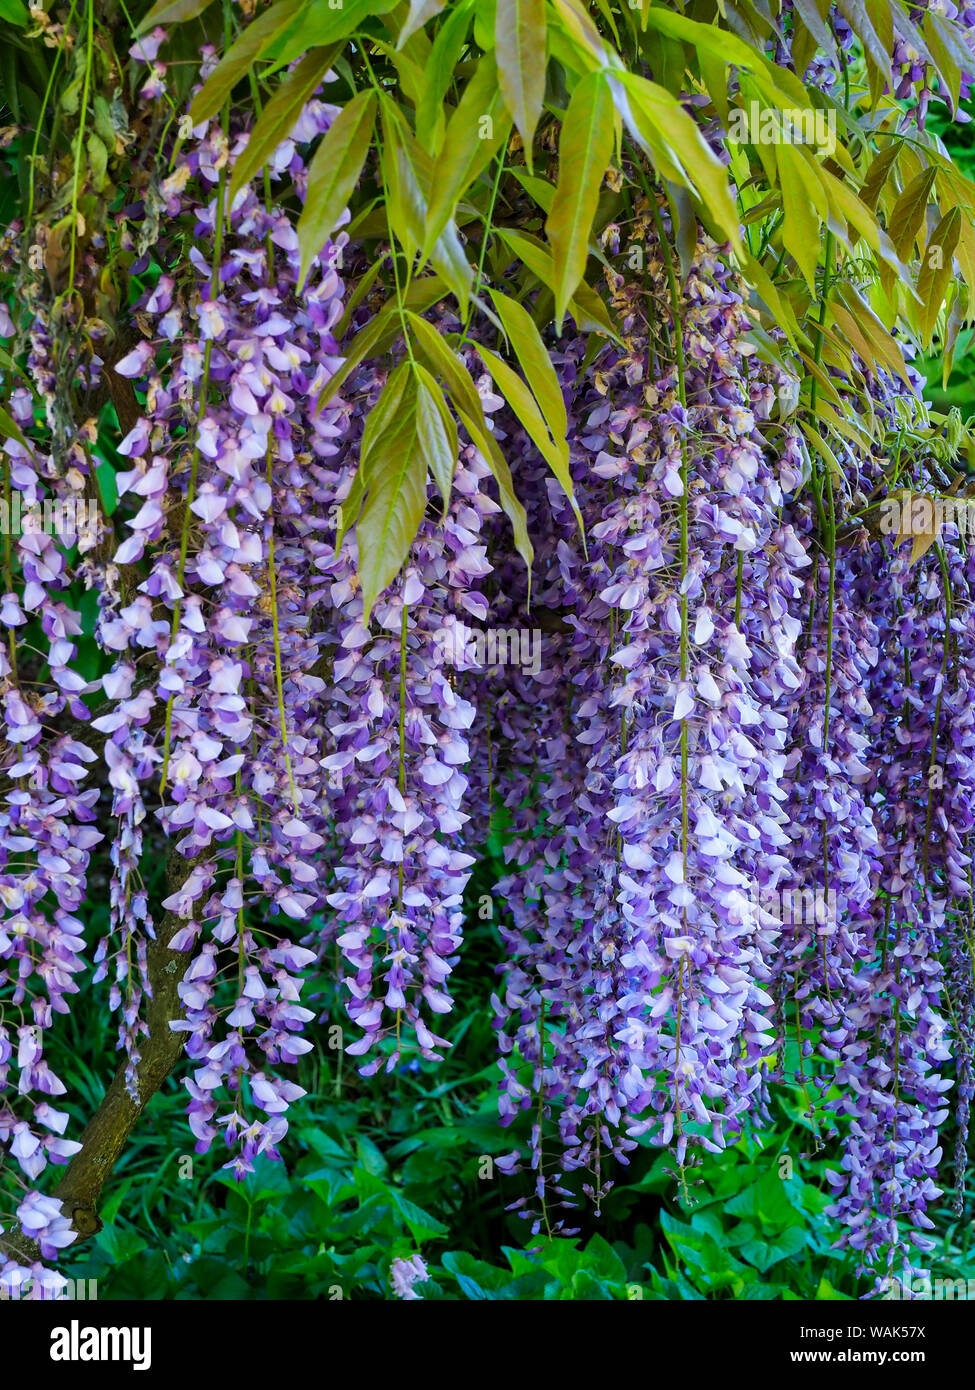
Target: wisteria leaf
[(810, 14), (585, 306), (540, 189), (936, 270), (10, 429), (524, 405), (411, 178), (172, 12), (474, 132), (444, 363), (878, 174), (333, 175), (662, 122), (396, 496), (319, 22), (585, 148), (238, 59), (384, 414), (537, 367), (377, 335), (520, 52), (420, 12), (908, 214), (278, 118), (801, 193), (444, 54), (438, 432)]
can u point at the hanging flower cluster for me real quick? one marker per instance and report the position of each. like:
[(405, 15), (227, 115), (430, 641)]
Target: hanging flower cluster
[(729, 859)]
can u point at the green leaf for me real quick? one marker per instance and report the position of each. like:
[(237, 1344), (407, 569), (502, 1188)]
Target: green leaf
[(878, 174), (779, 86), (523, 403), (854, 314), (845, 203), (580, 27), (876, 46), (603, 1261), (474, 132), (438, 432), (384, 414), (803, 202), (410, 175), (536, 365), (814, 20), (936, 270), (238, 60), (333, 175), (519, 37), (14, 12), (661, 119), (320, 22), (439, 73), (396, 494), (422, 1225), (585, 306), (10, 429), (907, 216), (947, 47), (404, 198), (364, 284), (763, 1254), (540, 189), (467, 1270), (444, 363), (278, 118), (420, 12), (350, 507), (779, 305), (382, 331), (172, 12), (585, 148)]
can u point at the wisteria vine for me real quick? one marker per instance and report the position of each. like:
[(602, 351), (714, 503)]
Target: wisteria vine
[(737, 709)]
